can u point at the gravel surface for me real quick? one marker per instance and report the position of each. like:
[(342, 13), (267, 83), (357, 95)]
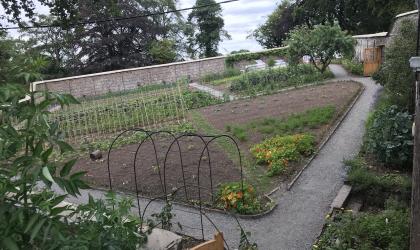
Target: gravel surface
[(300, 214)]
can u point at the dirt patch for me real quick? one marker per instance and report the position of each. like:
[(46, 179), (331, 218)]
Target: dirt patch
[(281, 104), (153, 175)]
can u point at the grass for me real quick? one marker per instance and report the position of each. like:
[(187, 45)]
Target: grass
[(227, 73), (226, 80), (295, 123)]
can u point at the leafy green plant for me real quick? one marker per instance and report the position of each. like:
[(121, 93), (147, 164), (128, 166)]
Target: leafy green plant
[(108, 223), (352, 66), (32, 216), (198, 99), (234, 58), (279, 151), (239, 197), (271, 62), (377, 187), (388, 229), (227, 73), (239, 133), (389, 137), (165, 216), (274, 79)]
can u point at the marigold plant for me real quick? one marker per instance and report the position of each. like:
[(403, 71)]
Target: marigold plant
[(241, 199), (279, 151)]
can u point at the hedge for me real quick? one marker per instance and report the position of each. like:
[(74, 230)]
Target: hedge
[(231, 59)]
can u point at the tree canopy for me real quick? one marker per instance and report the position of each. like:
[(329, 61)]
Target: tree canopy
[(321, 43), (205, 29), (354, 16)]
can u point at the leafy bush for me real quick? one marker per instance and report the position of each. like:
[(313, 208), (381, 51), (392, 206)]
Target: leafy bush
[(277, 52), (229, 72), (377, 187), (387, 229), (198, 99), (272, 79), (241, 199), (278, 151), (395, 73), (353, 67), (389, 137)]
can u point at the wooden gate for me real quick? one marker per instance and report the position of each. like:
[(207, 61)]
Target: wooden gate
[(372, 60)]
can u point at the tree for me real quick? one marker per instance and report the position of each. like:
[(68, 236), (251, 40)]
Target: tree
[(321, 44), (395, 73), (354, 16), (205, 29), (163, 51), (274, 31), (14, 10)]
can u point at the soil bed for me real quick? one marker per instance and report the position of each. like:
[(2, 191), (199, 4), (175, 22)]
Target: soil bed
[(224, 167)]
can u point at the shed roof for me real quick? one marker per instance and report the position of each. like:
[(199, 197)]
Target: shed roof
[(381, 34)]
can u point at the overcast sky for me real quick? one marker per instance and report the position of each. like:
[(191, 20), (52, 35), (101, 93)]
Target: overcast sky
[(240, 19)]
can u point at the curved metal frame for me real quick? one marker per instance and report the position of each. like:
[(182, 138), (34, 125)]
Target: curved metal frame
[(207, 140)]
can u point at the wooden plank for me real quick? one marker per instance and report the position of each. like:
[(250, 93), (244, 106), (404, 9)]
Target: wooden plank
[(216, 244)]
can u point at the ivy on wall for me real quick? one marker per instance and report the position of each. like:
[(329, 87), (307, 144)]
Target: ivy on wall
[(277, 52)]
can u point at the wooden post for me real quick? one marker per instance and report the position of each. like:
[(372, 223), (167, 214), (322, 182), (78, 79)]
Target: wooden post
[(415, 198)]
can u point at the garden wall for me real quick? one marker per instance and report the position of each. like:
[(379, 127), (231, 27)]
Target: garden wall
[(127, 79)]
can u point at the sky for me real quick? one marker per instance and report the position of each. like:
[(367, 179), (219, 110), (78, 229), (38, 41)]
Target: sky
[(241, 18)]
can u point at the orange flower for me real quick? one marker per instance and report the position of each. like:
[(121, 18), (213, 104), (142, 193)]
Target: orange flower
[(239, 195)]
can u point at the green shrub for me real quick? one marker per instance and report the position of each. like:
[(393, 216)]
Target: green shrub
[(278, 151), (389, 137), (198, 99), (395, 73), (353, 67), (241, 199), (239, 133), (229, 72), (271, 62), (273, 79), (377, 187), (277, 52), (387, 229)]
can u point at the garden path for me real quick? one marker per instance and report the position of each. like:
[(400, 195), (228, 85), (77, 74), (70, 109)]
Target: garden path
[(300, 214), (214, 92)]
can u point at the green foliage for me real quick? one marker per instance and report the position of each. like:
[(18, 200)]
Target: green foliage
[(279, 151), (107, 223), (163, 51), (296, 123), (389, 137), (377, 187), (278, 78), (205, 29), (388, 229), (239, 197), (239, 133), (353, 67), (198, 99), (234, 58), (395, 73), (322, 43), (239, 51), (271, 62), (164, 218), (227, 73), (273, 32)]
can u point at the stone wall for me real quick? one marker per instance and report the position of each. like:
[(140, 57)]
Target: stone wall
[(120, 80)]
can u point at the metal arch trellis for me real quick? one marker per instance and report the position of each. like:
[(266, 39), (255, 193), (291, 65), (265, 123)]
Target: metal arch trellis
[(206, 141)]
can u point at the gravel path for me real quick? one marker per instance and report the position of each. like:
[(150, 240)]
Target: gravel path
[(301, 212)]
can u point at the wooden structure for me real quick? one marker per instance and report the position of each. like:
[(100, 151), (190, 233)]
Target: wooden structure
[(372, 60), (216, 244)]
